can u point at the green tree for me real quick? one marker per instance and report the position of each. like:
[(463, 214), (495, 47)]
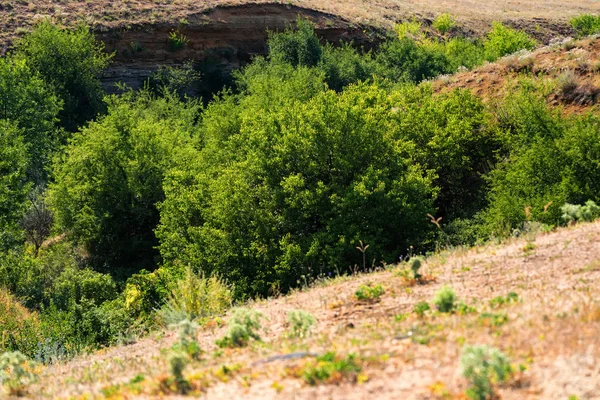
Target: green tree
[(26, 100), (110, 178), (72, 62), (300, 185), (13, 182)]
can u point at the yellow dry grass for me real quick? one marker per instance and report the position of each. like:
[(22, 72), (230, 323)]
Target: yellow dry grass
[(552, 333)]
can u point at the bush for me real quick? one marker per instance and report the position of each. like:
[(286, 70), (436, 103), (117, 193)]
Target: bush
[(299, 47), (242, 326), (344, 66), (181, 80), (588, 212), (502, 40), (586, 24), (421, 308), (444, 23), (196, 297), (405, 60), (71, 61), (110, 177), (551, 162), (483, 366), (463, 52), (445, 300)]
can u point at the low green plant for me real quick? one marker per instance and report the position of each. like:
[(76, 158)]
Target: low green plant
[(15, 373), (483, 366), (421, 308), (578, 213), (586, 24), (445, 300), (330, 367), (500, 301), (415, 266), (177, 41), (300, 323), (369, 293), (444, 23), (243, 325)]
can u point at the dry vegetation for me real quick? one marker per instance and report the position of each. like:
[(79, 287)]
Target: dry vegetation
[(569, 68), (550, 333), (547, 15)]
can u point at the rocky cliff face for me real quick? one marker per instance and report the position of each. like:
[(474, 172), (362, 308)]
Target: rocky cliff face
[(223, 39)]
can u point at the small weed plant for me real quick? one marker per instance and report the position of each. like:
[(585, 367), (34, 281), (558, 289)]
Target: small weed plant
[(15, 373), (177, 41), (243, 326), (445, 300), (483, 367), (500, 301), (369, 293), (421, 308), (330, 368), (300, 323)]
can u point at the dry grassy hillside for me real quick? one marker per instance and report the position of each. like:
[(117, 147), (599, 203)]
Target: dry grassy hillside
[(536, 15), (550, 332)]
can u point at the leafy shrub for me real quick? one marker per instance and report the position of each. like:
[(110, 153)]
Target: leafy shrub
[(499, 301), (330, 367), (503, 40), (19, 328), (181, 80), (450, 137), (462, 52), (586, 24), (445, 300), (109, 179), (567, 82), (242, 326), (588, 212), (444, 23), (196, 297), (300, 323), (15, 373), (344, 66), (72, 62), (37, 220), (483, 366), (296, 47), (176, 41), (405, 60), (409, 29), (369, 293), (551, 162)]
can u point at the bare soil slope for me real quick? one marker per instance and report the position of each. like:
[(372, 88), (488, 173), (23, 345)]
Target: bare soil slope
[(551, 332)]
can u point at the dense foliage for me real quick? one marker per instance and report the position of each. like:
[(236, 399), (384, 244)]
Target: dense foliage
[(118, 213)]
